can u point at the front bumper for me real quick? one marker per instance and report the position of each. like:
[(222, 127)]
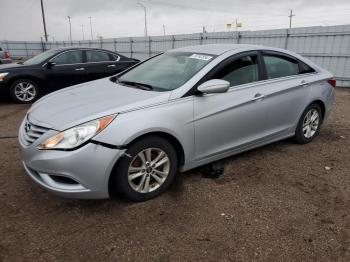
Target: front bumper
[(81, 173), (2, 84)]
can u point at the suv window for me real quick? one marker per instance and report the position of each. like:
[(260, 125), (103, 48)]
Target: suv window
[(70, 57), (280, 66), (98, 56), (0, 48), (241, 71)]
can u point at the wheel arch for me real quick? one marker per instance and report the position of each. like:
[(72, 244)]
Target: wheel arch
[(169, 137), (34, 79), (318, 102), (321, 104)]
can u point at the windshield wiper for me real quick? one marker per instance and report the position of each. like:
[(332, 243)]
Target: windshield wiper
[(136, 84)]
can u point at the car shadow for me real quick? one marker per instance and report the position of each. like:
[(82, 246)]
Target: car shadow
[(202, 172)]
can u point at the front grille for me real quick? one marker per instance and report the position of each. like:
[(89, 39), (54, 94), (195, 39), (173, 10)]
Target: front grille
[(32, 132)]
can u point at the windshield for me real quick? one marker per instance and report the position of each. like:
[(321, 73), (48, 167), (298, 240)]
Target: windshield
[(40, 57), (167, 71)]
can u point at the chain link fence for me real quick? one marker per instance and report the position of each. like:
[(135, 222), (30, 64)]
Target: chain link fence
[(328, 46)]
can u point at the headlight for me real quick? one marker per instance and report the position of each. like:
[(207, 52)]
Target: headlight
[(76, 136), (2, 76)]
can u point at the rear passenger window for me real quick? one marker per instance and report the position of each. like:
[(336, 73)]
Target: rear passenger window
[(280, 66), (241, 71), (98, 56)]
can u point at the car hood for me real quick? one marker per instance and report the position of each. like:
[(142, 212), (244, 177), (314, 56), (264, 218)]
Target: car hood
[(10, 66), (81, 103)]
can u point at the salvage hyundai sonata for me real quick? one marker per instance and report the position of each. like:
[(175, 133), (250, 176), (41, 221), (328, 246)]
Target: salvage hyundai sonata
[(187, 107)]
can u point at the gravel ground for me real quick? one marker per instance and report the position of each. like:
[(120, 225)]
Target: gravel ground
[(276, 203)]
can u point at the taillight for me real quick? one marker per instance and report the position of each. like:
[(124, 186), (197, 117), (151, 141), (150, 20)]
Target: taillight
[(332, 82), (7, 54)]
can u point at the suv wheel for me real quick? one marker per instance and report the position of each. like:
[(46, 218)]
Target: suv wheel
[(24, 91), (147, 169)]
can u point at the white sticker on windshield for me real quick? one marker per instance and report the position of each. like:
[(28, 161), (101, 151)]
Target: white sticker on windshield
[(201, 57)]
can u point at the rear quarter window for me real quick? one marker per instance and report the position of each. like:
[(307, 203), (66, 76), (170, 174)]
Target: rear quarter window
[(305, 69)]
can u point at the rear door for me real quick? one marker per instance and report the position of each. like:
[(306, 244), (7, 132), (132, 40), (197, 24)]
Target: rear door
[(284, 93), (68, 70), (101, 64)]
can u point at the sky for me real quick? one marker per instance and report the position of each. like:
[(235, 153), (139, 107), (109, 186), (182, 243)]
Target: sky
[(22, 19)]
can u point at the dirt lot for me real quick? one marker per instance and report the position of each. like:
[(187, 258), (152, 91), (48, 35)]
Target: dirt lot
[(276, 203)]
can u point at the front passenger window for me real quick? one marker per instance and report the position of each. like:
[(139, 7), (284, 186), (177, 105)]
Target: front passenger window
[(241, 71), (68, 58)]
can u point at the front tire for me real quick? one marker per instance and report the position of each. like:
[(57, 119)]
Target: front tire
[(146, 170), (24, 91), (309, 124)]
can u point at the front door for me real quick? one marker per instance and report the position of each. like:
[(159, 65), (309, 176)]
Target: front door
[(228, 120), (68, 70)]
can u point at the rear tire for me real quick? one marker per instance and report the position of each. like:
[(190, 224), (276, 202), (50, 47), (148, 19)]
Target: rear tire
[(24, 91), (146, 170), (309, 124)]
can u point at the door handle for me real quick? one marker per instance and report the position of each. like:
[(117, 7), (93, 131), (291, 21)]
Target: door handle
[(258, 97), (304, 83), (80, 69), (111, 66)]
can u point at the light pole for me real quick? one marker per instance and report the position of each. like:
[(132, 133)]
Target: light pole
[(92, 38), (290, 18), (144, 8), (70, 30), (82, 30), (44, 22)]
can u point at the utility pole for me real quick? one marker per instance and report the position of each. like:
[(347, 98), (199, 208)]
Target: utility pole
[(163, 29), (290, 18), (44, 22), (144, 8), (92, 38), (70, 30), (82, 30)]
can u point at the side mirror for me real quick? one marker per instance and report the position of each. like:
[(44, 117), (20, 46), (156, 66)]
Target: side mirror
[(214, 86), (50, 64)]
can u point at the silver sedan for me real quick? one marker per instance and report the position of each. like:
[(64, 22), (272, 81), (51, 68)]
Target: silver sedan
[(131, 133)]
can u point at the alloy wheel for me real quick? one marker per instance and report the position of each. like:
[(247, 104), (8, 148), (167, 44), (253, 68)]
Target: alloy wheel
[(310, 123), (25, 91), (148, 170)]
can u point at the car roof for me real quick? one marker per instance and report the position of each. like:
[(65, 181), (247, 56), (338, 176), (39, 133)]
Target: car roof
[(215, 49), (78, 48)]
